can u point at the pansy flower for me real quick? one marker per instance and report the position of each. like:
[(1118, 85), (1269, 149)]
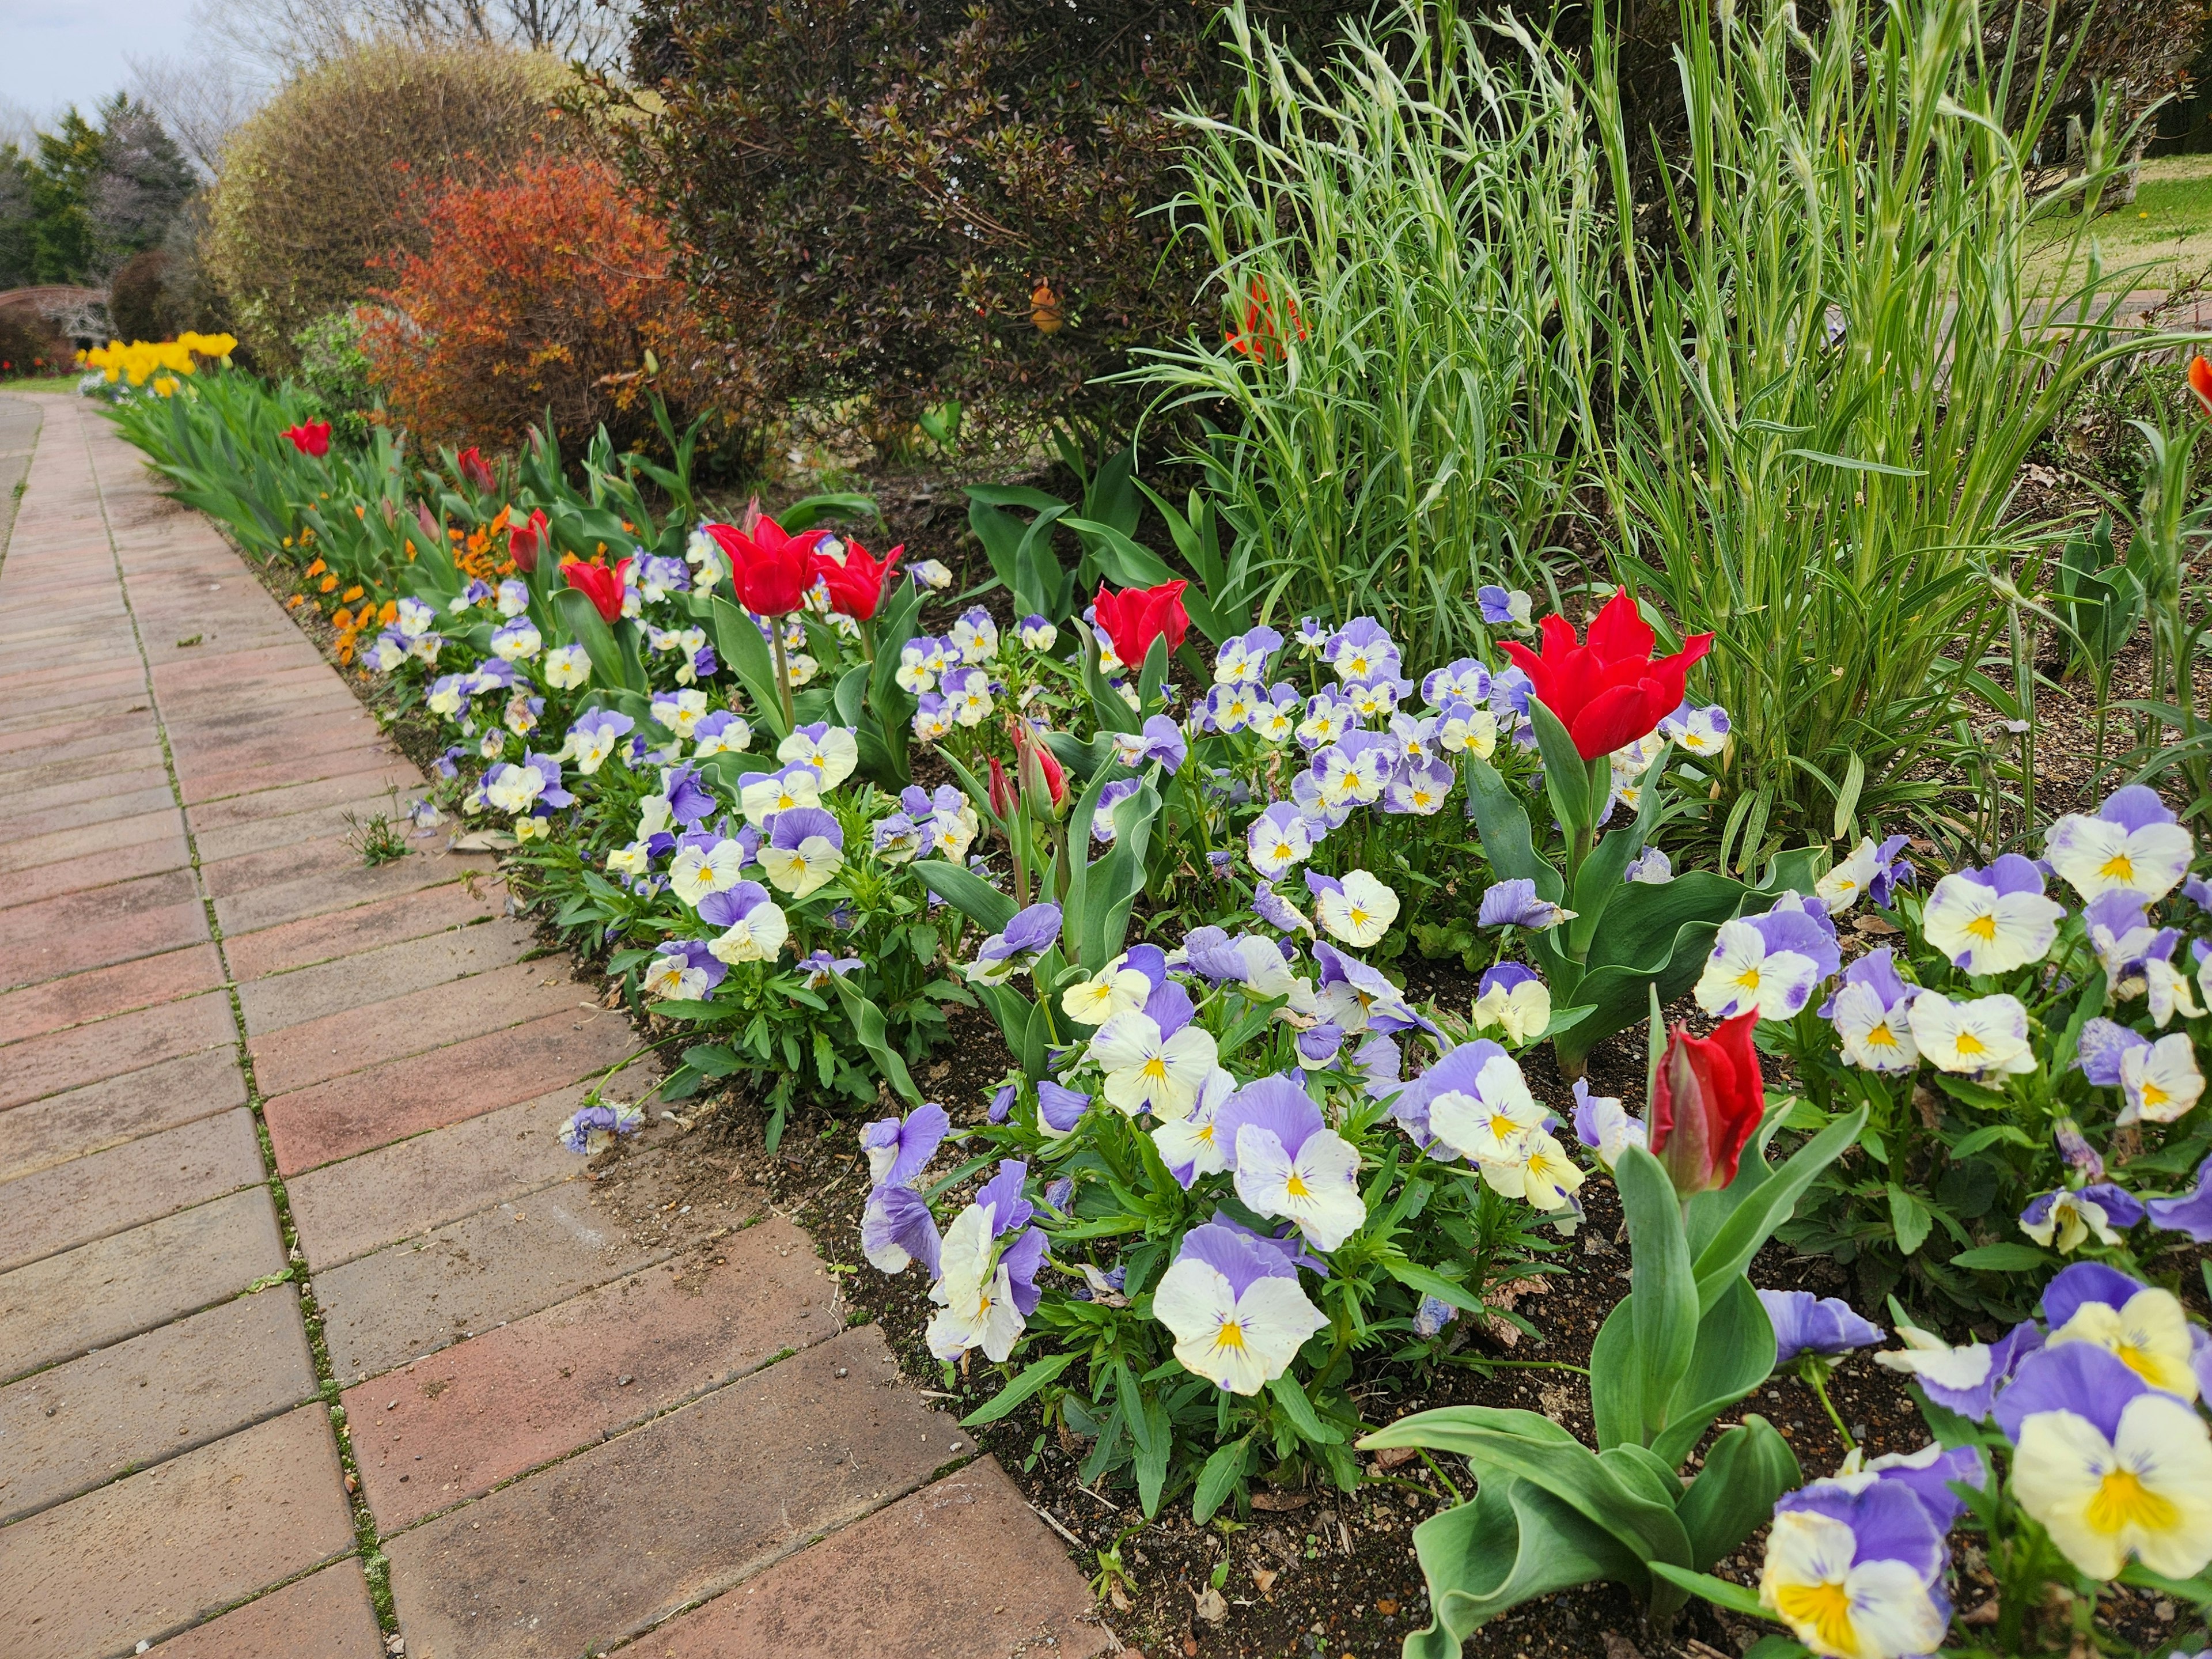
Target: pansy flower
[(1288, 1163), (805, 850), (974, 636), (1515, 904), (1153, 1064), (1375, 699), (1278, 840), (1029, 934), (512, 596), (1769, 964), (895, 838), (1603, 1126), (754, 926), (1697, 731), (966, 693), (1965, 1380), (721, 733), (594, 736), (1352, 770), (386, 653), (1243, 660), (2112, 1467), (1327, 717), (1871, 1011), (1487, 1121), (532, 784), (984, 1293), (1867, 872), (1036, 633), (567, 667), (1463, 729), (1160, 741), (1359, 909), (680, 711), (1235, 1308), (832, 751), (1419, 788), (2064, 1220), (2133, 843), (1059, 1109), (1361, 650), (1278, 911), (1856, 1574), (705, 864), (1191, 1145), (1112, 990), (1821, 1327), (1503, 607), (764, 794), (594, 1128), (1992, 921), (1972, 1036), (2142, 1325), (683, 969), (1539, 1173), (1463, 680), (1514, 998), (2189, 1212), (1276, 718)]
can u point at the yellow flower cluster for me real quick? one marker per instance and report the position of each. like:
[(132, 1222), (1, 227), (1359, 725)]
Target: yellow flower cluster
[(164, 361)]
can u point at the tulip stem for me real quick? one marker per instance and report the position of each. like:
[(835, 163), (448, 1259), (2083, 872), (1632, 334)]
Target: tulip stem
[(782, 672)]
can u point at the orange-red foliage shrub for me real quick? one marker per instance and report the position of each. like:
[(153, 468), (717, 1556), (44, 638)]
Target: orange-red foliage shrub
[(545, 287)]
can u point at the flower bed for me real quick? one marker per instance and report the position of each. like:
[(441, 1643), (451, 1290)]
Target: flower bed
[(1235, 1177)]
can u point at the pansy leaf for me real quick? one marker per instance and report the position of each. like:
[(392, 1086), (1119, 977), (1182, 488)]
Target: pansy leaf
[(1033, 1378), (1295, 1406), (1219, 1478)]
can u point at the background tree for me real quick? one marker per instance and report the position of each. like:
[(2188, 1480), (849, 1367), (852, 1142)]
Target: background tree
[(63, 241), (287, 36), (333, 172)]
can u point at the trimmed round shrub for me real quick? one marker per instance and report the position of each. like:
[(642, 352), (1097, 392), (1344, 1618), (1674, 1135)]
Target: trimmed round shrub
[(543, 289), (337, 169)]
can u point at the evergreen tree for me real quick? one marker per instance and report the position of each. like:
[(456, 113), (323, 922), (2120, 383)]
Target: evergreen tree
[(142, 184), (64, 240), (16, 249)]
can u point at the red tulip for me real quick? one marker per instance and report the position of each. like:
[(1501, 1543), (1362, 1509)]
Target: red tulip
[(1705, 1102), (471, 464), (311, 438), (1136, 617), (1001, 792), (526, 541), (856, 584), (1609, 692), (2200, 381), (771, 571), (603, 587), (1258, 339)]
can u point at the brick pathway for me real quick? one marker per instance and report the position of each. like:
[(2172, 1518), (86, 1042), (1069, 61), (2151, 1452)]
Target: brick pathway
[(277, 1168)]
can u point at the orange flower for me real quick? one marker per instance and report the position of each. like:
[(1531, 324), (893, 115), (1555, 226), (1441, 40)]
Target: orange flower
[(342, 620), (295, 601), (388, 612), (328, 584), (2200, 381), (353, 592), (316, 569)]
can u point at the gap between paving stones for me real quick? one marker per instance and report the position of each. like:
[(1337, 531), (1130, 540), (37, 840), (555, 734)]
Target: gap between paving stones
[(374, 1567)]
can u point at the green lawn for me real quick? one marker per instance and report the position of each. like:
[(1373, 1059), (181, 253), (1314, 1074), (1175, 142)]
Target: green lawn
[(2169, 227), (39, 382)]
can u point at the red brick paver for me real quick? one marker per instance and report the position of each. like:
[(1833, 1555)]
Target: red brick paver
[(564, 1436)]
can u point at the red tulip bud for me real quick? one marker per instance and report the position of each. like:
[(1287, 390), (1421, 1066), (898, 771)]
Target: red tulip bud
[(471, 465), (1706, 1101), (1002, 792), (1044, 780), (526, 541), (2200, 382)]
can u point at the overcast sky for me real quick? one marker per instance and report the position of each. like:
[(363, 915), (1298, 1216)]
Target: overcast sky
[(57, 52)]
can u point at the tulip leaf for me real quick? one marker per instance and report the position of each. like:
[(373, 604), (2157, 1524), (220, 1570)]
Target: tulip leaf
[(867, 1021), (1567, 773), (1736, 1598), (1734, 1354), (1724, 1259), (1154, 671), (589, 629), (1512, 1542), (1662, 1291), (1115, 881), (1745, 1471), (1502, 826), (1114, 714), (737, 640), (967, 893)]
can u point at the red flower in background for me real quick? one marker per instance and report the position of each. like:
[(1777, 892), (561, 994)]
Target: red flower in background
[(1136, 617), (1609, 692), (602, 585), (311, 438), (1259, 340), (470, 464), (525, 542), (1707, 1100), (2200, 381), (856, 585), (771, 571)]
